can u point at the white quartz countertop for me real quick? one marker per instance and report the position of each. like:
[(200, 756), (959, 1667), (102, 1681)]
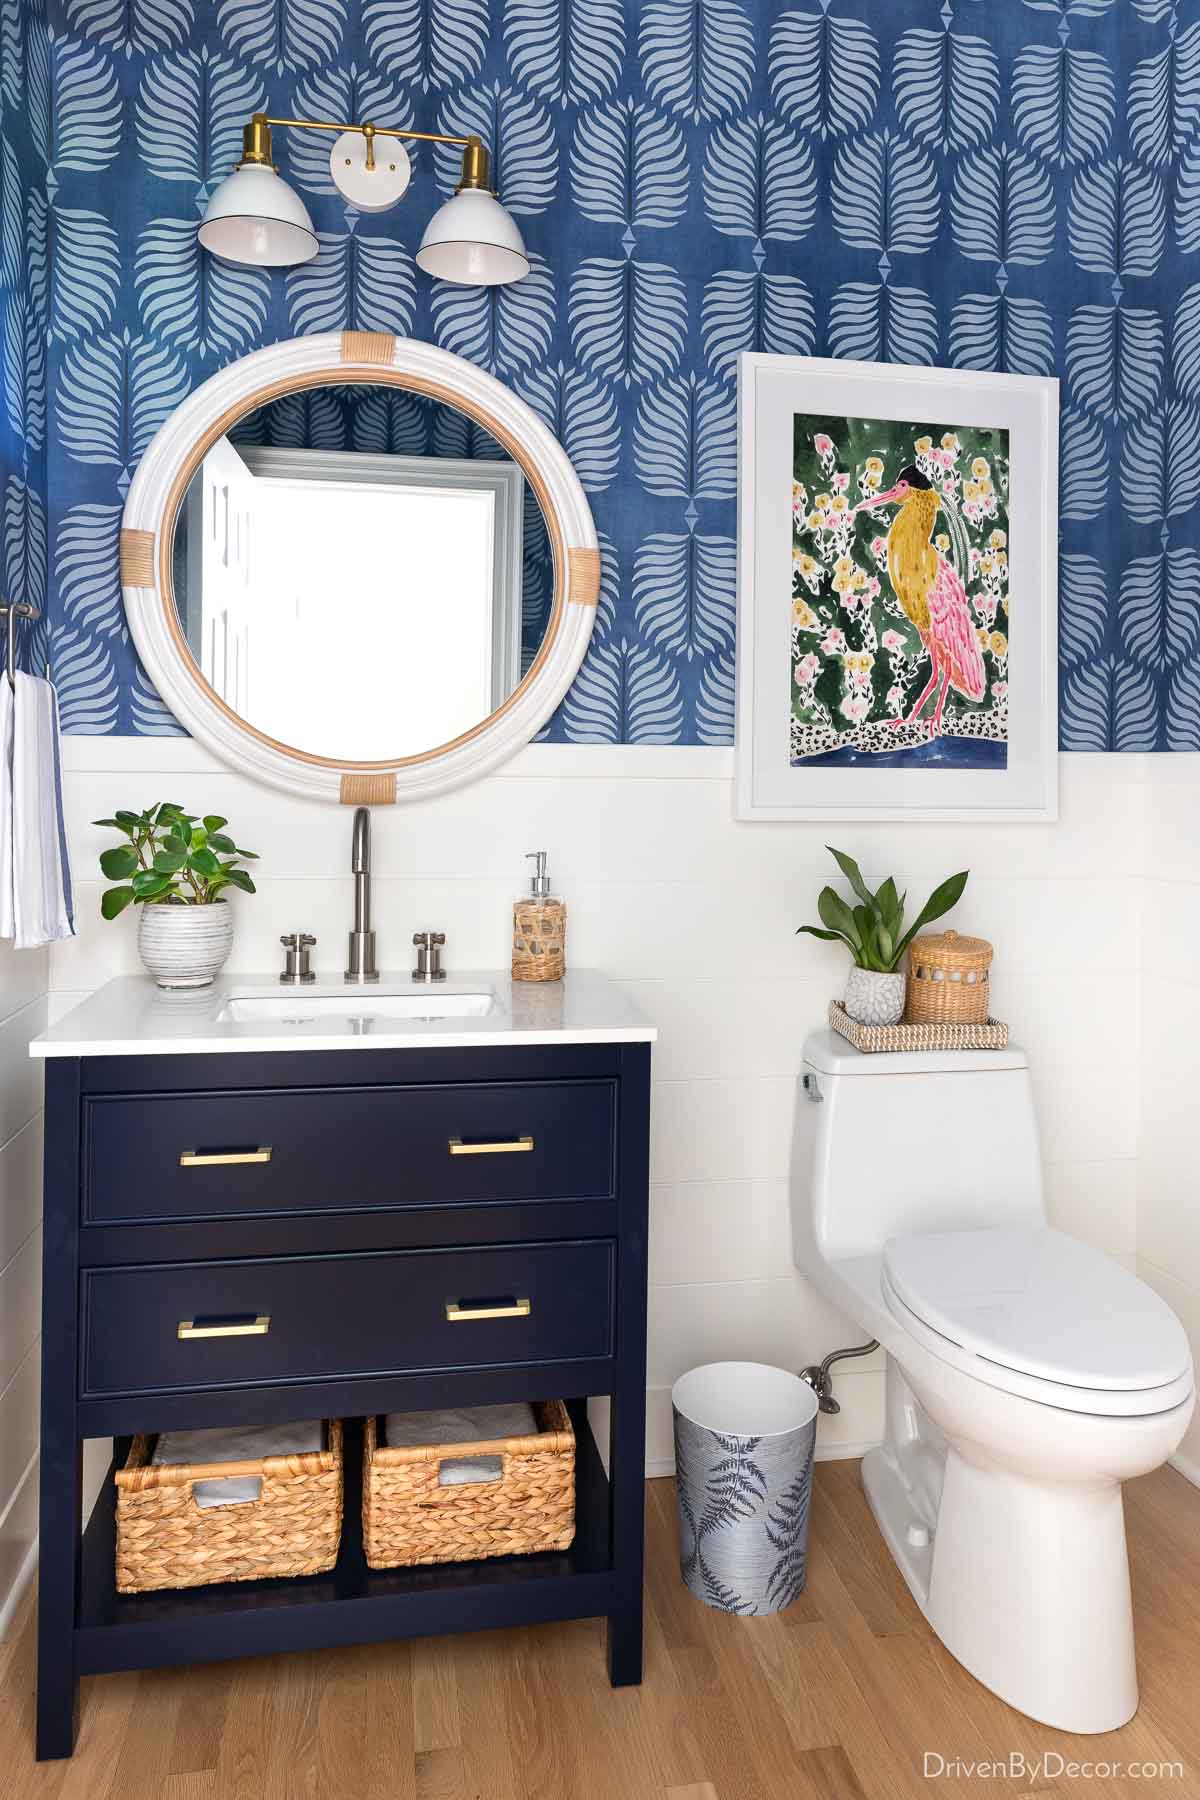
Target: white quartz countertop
[(132, 1017)]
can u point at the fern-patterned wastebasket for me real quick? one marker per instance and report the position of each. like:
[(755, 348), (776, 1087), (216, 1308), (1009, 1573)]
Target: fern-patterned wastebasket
[(744, 1438)]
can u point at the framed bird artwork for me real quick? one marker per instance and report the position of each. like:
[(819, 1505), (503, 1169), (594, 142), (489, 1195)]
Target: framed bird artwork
[(897, 592)]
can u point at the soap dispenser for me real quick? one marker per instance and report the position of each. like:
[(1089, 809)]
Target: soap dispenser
[(539, 928)]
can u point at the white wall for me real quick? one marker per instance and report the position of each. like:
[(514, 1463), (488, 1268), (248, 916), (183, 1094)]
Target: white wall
[(24, 977), (696, 915), (1168, 1215)]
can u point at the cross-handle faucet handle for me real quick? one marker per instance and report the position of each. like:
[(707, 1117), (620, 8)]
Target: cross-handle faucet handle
[(429, 956), (297, 945)]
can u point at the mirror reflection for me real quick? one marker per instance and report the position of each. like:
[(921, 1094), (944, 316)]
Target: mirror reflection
[(360, 572)]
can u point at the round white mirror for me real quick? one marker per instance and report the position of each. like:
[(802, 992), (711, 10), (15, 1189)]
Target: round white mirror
[(360, 572), (359, 567)]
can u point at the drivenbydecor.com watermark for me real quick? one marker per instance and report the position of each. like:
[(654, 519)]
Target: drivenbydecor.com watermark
[(1050, 1766)]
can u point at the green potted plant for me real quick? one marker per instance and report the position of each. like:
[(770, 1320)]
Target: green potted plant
[(873, 933), (177, 868)]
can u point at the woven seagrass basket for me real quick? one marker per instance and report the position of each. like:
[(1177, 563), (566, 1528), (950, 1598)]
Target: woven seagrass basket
[(948, 980), (165, 1540), (409, 1517)]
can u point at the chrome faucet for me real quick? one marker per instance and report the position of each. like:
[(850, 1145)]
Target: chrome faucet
[(361, 963)]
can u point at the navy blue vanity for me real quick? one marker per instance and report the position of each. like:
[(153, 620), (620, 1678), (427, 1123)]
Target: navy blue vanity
[(327, 1189)]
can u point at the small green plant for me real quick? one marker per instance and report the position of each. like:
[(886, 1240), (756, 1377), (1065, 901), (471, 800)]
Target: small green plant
[(170, 859), (871, 931)]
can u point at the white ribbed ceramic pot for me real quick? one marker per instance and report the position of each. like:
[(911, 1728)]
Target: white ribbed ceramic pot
[(873, 998), (185, 946)]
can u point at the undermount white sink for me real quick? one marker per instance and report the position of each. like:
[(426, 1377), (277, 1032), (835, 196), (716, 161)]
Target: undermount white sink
[(252, 1012), (295, 1007)]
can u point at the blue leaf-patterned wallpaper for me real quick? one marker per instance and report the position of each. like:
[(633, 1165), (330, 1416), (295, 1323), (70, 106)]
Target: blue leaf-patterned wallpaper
[(23, 346), (998, 184)]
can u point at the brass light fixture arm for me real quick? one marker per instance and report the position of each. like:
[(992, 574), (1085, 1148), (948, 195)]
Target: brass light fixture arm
[(256, 143)]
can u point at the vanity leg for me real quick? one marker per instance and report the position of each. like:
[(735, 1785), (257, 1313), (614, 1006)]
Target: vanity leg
[(58, 1590), (627, 1474), (627, 1420), (625, 1649), (61, 1472)]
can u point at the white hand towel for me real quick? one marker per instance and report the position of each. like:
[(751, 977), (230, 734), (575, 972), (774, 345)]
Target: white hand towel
[(462, 1425), (43, 909), (235, 1443)]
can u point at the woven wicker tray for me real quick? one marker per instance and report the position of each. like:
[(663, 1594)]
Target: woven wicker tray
[(991, 1035)]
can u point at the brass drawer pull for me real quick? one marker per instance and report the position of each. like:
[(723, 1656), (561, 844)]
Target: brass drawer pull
[(487, 1309), (205, 1159), (234, 1325), (501, 1147)]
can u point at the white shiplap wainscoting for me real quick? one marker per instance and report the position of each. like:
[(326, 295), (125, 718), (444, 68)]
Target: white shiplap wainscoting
[(24, 979), (696, 914)]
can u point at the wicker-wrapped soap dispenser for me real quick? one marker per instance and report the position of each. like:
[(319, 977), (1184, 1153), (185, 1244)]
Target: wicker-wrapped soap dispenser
[(539, 928)]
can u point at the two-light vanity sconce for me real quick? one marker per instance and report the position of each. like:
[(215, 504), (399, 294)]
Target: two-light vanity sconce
[(255, 217)]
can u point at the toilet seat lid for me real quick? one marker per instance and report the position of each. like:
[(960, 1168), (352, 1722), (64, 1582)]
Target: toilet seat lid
[(1035, 1301)]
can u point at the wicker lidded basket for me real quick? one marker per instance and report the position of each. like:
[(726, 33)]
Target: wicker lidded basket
[(409, 1517), (948, 981), (166, 1540)]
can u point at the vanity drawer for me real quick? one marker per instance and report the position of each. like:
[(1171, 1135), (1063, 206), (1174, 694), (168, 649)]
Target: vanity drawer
[(221, 1155), (164, 1328)]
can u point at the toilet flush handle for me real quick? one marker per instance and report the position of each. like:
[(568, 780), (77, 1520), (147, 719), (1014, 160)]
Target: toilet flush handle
[(819, 1379), (812, 1090)]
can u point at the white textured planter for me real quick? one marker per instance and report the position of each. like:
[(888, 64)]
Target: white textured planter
[(875, 999), (185, 946)]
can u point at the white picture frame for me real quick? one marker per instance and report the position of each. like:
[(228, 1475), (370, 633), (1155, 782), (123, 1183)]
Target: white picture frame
[(769, 784)]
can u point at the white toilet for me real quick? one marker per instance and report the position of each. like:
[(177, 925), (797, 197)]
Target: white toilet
[(1027, 1375)]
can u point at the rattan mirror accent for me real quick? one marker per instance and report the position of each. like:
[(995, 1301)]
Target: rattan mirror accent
[(156, 496)]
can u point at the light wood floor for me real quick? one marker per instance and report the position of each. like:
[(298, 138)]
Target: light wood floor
[(836, 1699)]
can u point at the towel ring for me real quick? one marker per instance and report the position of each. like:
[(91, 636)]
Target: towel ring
[(12, 611)]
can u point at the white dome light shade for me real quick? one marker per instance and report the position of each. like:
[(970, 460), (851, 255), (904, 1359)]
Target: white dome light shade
[(255, 217), (474, 241)]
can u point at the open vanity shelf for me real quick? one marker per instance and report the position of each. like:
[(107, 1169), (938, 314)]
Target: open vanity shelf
[(363, 1237), (352, 1604)]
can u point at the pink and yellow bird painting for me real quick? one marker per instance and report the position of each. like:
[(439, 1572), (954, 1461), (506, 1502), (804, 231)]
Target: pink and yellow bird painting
[(931, 592), (900, 600)]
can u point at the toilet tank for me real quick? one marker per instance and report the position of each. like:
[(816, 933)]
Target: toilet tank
[(893, 1142)]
